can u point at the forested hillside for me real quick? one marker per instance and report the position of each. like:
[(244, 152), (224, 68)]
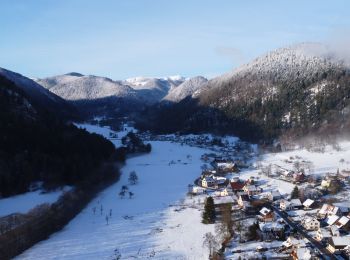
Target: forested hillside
[(292, 91), (36, 145)]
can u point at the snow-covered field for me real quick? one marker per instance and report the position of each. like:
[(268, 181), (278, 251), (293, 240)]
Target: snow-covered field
[(25, 202), (151, 224)]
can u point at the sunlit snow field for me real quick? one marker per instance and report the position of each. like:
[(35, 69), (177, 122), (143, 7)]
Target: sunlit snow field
[(141, 227)]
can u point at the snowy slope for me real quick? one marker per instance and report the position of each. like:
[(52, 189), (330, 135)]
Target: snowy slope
[(291, 64), (187, 88), (142, 227), (74, 86)]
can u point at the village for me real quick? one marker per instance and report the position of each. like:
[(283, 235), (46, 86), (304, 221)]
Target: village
[(277, 210)]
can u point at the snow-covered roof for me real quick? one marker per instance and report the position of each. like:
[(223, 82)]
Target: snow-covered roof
[(309, 219), (341, 241), (295, 202), (307, 203), (303, 253), (223, 200), (342, 221), (332, 219), (264, 211)]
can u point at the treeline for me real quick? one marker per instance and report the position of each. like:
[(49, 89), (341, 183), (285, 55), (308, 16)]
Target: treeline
[(189, 116), (37, 146)]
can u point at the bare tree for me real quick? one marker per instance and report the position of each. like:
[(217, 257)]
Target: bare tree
[(210, 242)]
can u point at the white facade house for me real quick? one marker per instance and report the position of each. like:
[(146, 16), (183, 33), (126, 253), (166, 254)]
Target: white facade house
[(310, 223)]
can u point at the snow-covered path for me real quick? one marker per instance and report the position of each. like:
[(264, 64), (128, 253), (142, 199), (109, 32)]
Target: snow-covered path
[(142, 226)]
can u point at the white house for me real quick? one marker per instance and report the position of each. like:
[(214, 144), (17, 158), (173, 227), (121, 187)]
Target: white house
[(323, 235), (290, 205), (328, 210), (337, 244), (310, 223), (208, 182)]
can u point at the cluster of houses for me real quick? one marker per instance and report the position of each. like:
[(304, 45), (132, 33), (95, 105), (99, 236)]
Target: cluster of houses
[(328, 224)]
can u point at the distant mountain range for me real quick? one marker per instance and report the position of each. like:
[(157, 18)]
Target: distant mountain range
[(296, 90), (77, 87)]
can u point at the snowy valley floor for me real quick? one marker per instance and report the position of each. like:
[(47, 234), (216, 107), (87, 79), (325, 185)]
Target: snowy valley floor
[(151, 224)]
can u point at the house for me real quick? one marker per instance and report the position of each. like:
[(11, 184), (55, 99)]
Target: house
[(237, 184), (338, 244), (323, 235), (224, 200), (276, 195), (310, 223), (223, 192), (252, 190), (308, 203), (343, 222), (299, 177), (301, 253), (220, 181), (195, 189), (344, 207), (331, 220), (334, 231), (290, 205), (223, 165), (325, 183), (243, 201), (270, 195), (328, 210), (208, 182), (271, 230), (293, 242), (266, 215)]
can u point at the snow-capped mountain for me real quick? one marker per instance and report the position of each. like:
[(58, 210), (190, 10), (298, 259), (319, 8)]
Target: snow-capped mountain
[(152, 90), (38, 94), (299, 89), (75, 86), (190, 87)]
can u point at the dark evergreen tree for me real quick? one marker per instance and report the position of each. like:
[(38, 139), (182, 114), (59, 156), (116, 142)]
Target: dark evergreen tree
[(295, 193), (209, 214)]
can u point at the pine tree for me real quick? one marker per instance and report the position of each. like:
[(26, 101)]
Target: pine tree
[(295, 193), (209, 215)]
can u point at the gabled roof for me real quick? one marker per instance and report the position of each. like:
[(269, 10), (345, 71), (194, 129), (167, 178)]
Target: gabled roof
[(237, 185), (295, 202), (332, 219), (307, 203), (342, 221)]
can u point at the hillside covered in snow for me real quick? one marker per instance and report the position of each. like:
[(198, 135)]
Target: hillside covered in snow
[(289, 91), (75, 86)]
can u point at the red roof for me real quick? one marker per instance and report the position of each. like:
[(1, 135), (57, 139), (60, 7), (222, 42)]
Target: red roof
[(237, 185)]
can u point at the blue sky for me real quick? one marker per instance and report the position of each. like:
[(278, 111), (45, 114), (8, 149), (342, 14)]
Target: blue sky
[(122, 39)]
